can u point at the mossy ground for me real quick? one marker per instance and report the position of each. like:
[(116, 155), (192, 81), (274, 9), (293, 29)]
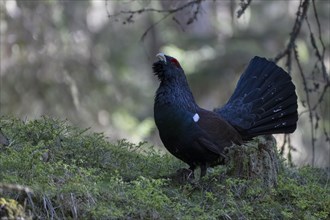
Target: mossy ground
[(77, 174)]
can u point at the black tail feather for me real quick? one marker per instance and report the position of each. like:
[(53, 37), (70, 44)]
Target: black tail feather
[(285, 108), (264, 102)]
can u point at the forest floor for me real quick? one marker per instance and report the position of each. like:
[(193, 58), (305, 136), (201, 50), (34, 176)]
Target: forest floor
[(52, 170)]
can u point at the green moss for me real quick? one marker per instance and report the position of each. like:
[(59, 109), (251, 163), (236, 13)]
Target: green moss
[(11, 209), (74, 173)]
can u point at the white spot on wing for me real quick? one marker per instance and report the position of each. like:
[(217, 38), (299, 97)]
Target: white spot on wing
[(277, 110), (196, 117)]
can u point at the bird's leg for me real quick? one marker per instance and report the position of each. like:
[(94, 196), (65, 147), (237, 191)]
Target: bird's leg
[(203, 169), (191, 175), (183, 175)]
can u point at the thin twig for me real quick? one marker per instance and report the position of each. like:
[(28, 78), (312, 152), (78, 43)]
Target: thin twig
[(196, 12), (152, 26), (311, 118), (290, 149), (321, 57), (282, 148), (244, 5), (321, 60), (288, 51), (142, 10), (166, 12), (173, 11), (301, 13)]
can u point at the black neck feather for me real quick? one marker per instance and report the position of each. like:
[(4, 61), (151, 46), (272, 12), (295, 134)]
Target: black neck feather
[(175, 93)]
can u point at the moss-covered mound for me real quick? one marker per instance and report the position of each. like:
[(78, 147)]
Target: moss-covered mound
[(11, 209), (72, 173)]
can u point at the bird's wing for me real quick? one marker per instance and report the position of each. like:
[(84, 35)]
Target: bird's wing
[(217, 133)]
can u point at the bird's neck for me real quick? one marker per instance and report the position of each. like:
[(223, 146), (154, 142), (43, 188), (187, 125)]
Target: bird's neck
[(175, 94)]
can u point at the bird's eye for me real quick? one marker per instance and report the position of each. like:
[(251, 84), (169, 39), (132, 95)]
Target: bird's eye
[(175, 62)]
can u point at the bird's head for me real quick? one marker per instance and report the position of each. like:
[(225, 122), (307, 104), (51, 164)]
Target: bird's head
[(167, 68)]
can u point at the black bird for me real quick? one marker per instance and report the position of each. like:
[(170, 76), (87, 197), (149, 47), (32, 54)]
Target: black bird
[(264, 102)]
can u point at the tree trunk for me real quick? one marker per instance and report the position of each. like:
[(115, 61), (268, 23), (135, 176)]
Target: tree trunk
[(257, 158)]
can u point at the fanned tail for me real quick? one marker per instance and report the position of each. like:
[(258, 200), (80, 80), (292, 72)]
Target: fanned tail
[(264, 101)]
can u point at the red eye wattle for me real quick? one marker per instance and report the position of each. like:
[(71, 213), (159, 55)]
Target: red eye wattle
[(175, 62)]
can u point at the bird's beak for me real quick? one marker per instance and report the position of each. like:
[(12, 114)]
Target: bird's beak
[(161, 56)]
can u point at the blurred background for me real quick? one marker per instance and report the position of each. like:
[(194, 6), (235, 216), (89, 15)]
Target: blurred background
[(90, 61)]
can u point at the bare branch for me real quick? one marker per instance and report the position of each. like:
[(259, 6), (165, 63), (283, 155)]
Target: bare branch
[(152, 26), (178, 22), (244, 5), (167, 12), (301, 13), (311, 118), (173, 11), (194, 16), (321, 57), (312, 105)]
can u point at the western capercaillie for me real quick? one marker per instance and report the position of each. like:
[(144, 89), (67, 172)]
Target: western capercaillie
[(264, 102)]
